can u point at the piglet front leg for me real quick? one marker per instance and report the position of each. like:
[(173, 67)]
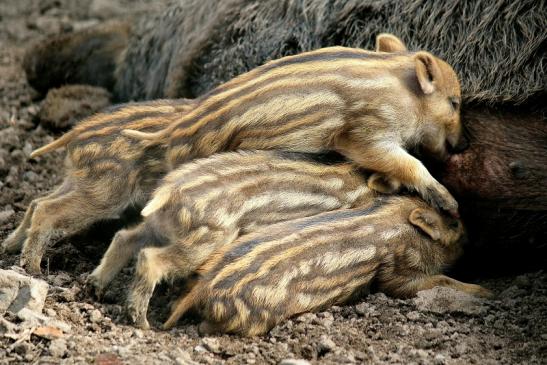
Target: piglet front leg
[(396, 163)]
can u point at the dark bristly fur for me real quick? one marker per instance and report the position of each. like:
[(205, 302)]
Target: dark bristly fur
[(87, 57), (497, 47), (309, 264)]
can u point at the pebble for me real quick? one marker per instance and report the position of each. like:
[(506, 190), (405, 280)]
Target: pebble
[(294, 362), (95, 316), (6, 214), (211, 344), (306, 318), (183, 358), (200, 348), (61, 279), (22, 348), (326, 344), (361, 308), (31, 176), (58, 347), (27, 149), (439, 359), (413, 316)]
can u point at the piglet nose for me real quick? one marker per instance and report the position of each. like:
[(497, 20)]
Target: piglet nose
[(461, 146)]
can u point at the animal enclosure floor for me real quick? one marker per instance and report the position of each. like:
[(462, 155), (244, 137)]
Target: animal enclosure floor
[(510, 329)]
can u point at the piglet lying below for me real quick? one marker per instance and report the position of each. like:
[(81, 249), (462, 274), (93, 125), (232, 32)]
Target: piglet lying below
[(309, 264), (208, 203)]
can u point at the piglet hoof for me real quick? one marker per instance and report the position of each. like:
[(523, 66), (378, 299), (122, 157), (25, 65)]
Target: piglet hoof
[(31, 265), (137, 318), (93, 287), (10, 246), (440, 198)]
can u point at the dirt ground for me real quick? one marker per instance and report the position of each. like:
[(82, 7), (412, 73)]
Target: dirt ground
[(510, 329)]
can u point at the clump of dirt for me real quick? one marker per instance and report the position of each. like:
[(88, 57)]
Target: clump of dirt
[(512, 328)]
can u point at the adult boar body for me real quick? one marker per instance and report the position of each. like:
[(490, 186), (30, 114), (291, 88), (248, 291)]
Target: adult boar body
[(495, 47)]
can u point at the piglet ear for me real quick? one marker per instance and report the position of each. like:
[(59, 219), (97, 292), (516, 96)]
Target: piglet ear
[(386, 42), (427, 71), (427, 221)]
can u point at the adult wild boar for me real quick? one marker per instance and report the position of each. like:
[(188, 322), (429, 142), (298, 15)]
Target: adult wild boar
[(495, 47)]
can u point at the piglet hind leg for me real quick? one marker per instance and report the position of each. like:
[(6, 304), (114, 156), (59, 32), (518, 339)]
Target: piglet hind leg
[(179, 259), (14, 242), (125, 244), (153, 265), (409, 287)]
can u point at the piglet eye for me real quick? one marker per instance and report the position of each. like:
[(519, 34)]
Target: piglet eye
[(455, 102), (454, 224)]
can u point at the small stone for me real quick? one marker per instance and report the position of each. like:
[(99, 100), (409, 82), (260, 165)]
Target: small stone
[(138, 333), (461, 348), (123, 351), (58, 348), (22, 348), (107, 359), (19, 291), (95, 316), (6, 214), (61, 279), (211, 344), (413, 316), (361, 308), (439, 359), (199, 349), (34, 319), (48, 332), (9, 137), (31, 176), (69, 294), (294, 362), (50, 312), (183, 358), (326, 344), (27, 149), (419, 353), (306, 317)]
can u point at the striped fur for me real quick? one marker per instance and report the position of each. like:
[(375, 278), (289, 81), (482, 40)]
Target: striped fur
[(371, 107), (206, 204), (309, 264), (105, 173)]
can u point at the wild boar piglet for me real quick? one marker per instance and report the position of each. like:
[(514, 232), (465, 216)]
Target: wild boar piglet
[(209, 202), (399, 243), (372, 107), (105, 173)]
